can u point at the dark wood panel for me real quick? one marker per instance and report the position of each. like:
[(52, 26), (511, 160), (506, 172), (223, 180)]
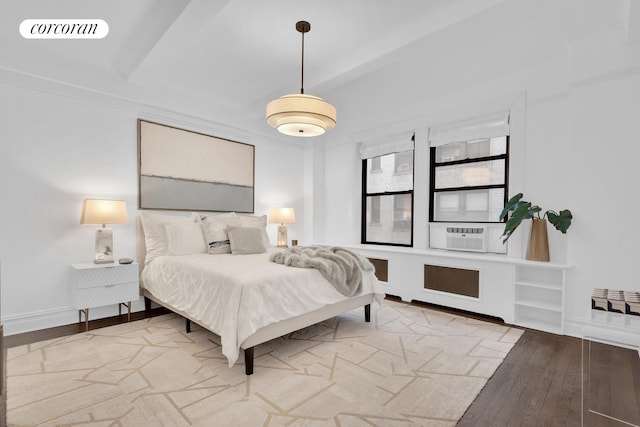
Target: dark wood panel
[(458, 281), (382, 268)]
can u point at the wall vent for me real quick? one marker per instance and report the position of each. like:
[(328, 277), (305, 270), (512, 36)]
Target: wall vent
[(382, 268), (467, 239), (459, 281)]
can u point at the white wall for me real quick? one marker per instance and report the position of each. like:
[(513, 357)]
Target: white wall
[(341, 215), (603, 188), (60, 149), (547, 159)]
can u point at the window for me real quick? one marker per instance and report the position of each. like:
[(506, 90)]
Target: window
[(387, 195), (469, 180)]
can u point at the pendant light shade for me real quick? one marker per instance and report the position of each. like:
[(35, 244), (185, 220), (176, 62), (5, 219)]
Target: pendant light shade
[(300, 114)]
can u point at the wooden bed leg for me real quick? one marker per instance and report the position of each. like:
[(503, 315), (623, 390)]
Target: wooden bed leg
[(248, 361), (147, 304), (367, 313), (188, 325)]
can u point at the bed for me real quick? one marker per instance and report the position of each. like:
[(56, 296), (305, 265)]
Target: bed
[(245, 299)]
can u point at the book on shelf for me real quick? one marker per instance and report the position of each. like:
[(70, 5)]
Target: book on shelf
[(632, 302), (615, 301), (599, 299)]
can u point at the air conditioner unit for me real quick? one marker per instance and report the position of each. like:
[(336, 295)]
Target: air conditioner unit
[(472, 239), (449, 236), (404, 167)]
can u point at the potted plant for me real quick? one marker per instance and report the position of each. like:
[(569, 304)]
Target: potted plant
[(538, 249)]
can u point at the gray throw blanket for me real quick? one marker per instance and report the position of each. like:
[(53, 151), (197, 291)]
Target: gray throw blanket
[(341, 267)]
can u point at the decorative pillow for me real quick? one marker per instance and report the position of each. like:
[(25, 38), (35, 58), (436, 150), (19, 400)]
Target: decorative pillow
[(215, 231), (185, 238), (246, 240), (155, 234), (259, 222)]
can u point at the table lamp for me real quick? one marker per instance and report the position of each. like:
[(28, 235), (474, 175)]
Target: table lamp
[(282, 216), (104, 212)]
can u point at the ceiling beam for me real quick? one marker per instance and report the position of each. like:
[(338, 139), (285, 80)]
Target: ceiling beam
[(187, 26), (394, 47), (633, 23)]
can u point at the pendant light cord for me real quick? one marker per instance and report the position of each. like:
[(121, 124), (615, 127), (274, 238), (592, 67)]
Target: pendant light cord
[(302, 27), (302, 68)]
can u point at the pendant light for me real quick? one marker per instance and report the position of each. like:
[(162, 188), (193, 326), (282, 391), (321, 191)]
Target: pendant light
[(301, 114)]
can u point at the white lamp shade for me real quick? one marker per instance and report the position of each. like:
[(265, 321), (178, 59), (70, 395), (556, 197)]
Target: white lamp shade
[(301, 115), (282, 216), (96, 211)]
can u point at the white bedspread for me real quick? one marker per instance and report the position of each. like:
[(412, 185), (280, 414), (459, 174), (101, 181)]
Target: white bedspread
[(235, 295)]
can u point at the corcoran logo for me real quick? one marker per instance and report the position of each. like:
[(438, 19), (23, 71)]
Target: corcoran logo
[(64, 29)]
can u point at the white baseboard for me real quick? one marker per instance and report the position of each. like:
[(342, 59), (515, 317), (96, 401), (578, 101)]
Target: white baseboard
[(43, 319), (36, 320)]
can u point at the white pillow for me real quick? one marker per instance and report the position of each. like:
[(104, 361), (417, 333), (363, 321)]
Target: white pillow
[(155, 234), (259, 222), (215, 231), (246, 240), (185, 238)]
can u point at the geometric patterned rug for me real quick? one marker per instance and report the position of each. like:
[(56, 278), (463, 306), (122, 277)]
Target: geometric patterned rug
[(409, 366)]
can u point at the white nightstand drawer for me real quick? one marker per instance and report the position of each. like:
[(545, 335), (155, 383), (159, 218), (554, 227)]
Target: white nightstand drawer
[(104, 295), (96, 276)]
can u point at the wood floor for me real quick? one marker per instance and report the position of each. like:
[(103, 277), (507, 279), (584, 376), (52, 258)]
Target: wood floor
[(538, 384)]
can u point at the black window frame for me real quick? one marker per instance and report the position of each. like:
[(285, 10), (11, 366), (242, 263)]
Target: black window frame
[(365, 195), (432, 180)]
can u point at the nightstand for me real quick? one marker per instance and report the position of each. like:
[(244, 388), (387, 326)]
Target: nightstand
[(95, 285)]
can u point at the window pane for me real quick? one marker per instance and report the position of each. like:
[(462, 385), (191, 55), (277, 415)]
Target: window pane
[(375, 210), (471, 174), (470, 205), (375, 164), (404, 162), (391, 172), (388, 219), (471, 149)]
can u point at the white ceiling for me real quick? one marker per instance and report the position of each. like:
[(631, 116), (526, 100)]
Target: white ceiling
[(223, 60)]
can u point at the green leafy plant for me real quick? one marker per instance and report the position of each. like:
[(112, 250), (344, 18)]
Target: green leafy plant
[(521, 210)]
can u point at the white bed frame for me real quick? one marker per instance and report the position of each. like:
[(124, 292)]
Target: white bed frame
[(269, 332)]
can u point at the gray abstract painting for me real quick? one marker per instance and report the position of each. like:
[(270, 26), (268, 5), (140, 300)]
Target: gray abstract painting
[(184, 170)]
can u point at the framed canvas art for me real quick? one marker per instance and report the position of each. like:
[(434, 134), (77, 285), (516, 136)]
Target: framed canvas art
[(184, 170)]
